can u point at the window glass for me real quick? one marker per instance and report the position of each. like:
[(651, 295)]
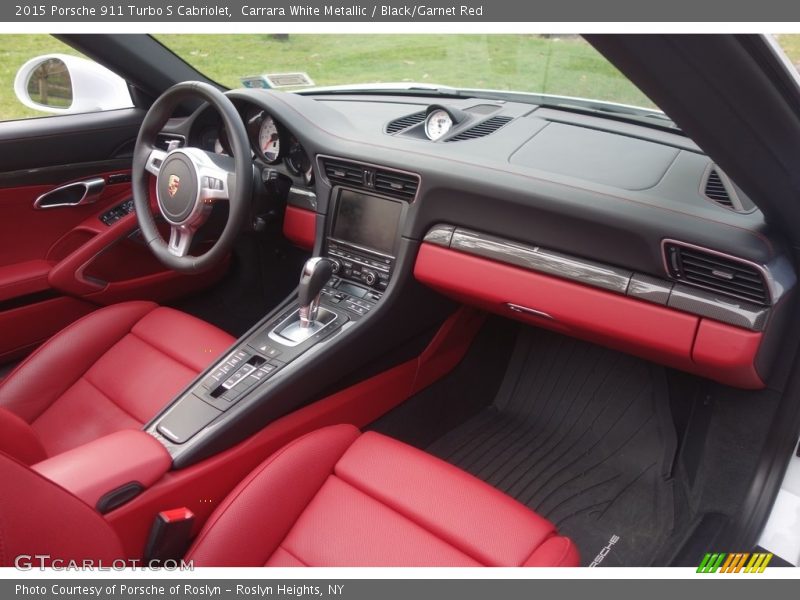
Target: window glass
[(564, 65), (39, 75)]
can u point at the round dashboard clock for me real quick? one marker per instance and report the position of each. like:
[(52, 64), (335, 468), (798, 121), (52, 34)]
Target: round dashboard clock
[(437, 124)]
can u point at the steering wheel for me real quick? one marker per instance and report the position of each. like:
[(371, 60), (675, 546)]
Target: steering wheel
[(189, 181)]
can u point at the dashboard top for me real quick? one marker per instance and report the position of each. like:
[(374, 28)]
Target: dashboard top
[(600, 188)]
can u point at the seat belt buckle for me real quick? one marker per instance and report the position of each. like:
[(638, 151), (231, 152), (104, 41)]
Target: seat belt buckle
[(169, 536)]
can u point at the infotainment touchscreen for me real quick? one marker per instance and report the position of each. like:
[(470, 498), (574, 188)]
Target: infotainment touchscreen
[(367, 221)]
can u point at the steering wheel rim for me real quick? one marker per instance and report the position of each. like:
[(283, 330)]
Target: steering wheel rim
[(189, 181)]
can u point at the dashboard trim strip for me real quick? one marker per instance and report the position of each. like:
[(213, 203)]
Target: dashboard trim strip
[(645, 288), (542, 260)]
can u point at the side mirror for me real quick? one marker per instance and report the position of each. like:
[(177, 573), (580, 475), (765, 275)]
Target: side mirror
[(63, 84)]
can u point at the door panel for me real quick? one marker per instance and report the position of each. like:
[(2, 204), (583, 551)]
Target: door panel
[(58, 264), (29, 234)]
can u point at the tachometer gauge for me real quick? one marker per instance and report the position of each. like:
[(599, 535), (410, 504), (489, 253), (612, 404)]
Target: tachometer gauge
[(269, 140), (438, 123)]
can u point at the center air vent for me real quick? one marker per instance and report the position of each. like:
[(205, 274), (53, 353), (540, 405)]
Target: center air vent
[(405, 122), (342, 172), (481, 129), (719, 273), (397, 184)]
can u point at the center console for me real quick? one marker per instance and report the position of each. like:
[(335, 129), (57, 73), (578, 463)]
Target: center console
[(336, 291)]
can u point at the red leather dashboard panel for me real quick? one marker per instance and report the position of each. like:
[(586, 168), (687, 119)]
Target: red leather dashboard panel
[(300, 226), (648, 330), (727, 353)]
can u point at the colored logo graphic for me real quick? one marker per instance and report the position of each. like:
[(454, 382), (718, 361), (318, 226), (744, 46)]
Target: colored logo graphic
[(741, 562), (173, 184)]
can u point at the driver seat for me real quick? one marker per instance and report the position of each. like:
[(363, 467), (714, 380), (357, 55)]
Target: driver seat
[(113, 369)]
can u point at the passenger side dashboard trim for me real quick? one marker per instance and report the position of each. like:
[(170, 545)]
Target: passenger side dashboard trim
[(598, 275)]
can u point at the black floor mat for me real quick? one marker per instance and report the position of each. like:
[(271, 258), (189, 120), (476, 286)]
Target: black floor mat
[(582, 435)]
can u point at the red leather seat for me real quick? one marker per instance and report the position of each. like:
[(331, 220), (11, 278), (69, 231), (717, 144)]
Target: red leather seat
[(334, 497), (111, 370), (337, 497)]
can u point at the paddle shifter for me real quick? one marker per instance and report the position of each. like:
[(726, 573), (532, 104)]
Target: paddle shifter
[(316, 273)]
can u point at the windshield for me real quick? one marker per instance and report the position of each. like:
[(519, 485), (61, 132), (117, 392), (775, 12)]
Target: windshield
[(562, 65)]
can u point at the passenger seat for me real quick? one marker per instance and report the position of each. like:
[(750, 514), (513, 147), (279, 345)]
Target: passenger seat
[(334, 497)]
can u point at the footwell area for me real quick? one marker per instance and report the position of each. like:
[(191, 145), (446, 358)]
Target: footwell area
[(582, 435)]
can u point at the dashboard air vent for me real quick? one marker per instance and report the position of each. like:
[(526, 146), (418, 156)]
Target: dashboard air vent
[(722, 274), (396, 184), (342, 172), (716, 190), (481, 129), (405, 122)]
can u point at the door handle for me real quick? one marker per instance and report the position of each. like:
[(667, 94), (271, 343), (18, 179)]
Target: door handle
[(72, 194)]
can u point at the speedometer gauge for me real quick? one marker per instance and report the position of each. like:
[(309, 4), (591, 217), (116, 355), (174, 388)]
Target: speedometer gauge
[(269, 140), (438, 123)]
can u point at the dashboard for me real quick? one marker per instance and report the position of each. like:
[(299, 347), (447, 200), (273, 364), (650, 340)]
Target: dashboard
[(624, 234)]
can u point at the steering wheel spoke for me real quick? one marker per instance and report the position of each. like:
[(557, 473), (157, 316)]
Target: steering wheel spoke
[(213, 183), (154, 161), (180, 239)]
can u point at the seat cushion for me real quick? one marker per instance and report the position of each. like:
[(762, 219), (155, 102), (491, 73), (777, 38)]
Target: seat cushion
[(336, 497), (113, 369)]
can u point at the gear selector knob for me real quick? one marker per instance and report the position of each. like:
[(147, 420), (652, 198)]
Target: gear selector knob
[(316, 273)]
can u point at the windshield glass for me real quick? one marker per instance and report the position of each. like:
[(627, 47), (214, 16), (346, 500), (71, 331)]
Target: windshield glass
[(563, 65)]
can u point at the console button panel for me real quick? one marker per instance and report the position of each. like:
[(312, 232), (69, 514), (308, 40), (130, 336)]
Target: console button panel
[(355, 299), (258, 359), (360, 265)]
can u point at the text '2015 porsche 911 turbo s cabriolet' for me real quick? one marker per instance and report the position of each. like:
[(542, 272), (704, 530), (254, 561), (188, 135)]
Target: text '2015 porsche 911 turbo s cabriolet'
[(399, 324)]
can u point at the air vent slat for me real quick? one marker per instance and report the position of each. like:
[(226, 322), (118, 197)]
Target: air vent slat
[(396, 184), (391, 183), (481, 129), (716, 190), (706, 264), (705, 276), (721, 274), (405, 122), (339, 172)]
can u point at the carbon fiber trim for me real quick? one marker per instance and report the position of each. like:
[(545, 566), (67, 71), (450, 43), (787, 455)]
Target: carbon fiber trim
[(544, 261), (718, 307), (649, 289), (441, 235), (301, 198)]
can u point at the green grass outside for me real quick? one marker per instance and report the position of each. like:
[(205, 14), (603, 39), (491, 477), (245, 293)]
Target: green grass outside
[(566, 66), (15, 50)]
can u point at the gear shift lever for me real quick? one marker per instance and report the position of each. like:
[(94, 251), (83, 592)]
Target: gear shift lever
[(311, 318), (316, 273)]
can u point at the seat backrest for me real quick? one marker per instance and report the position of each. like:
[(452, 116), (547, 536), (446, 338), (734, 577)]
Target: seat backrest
[(39, 518)]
